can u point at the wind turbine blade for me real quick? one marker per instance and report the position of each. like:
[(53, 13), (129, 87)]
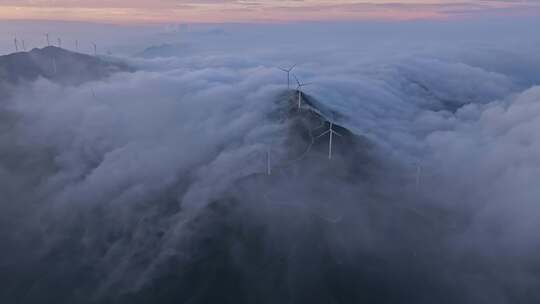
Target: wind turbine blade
[(324, 134), (291, 68), (336, 133), (284, 70), (305, 84), (297, 81)]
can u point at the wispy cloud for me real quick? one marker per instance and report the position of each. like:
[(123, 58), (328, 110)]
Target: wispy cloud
[(258, 10)]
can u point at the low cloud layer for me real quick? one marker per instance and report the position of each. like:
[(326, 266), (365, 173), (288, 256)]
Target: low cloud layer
[(151, 185)]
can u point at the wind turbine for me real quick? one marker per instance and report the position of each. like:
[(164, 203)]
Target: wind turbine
[(299, 89), (332, 133), (16, 44), (418, 174), (268, 166), (55, 70), (48, 41), (23, 46), (288, 71), (95, 48)]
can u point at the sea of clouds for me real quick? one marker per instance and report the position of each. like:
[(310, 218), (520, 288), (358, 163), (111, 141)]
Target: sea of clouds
[(109, 187)]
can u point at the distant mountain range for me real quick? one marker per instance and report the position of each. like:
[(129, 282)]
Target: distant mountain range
[(166, 50)]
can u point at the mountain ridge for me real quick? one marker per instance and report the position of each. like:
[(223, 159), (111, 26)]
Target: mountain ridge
[(58, 65)]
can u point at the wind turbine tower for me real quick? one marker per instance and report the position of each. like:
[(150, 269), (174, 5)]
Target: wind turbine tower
[(330, 142), (55, 69), (48, 41), (59, 42), (16, 44), (288, 71), (418, 174), (299, 89), (76, 45), (95, 48), (268, 165), (23, 46)]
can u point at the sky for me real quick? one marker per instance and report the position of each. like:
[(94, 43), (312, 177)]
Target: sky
[(147, 11)]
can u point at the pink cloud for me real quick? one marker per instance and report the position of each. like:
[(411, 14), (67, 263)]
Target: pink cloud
[(257, 10)]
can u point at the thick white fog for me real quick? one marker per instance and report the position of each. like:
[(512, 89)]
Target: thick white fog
[(117, 190)]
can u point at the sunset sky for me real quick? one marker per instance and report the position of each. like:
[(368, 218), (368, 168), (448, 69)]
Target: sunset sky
[(152, 11)]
